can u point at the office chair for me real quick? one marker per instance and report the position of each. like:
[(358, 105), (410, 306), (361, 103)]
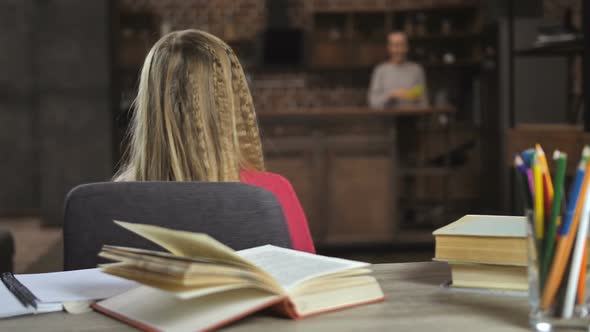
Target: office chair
[(238, 215)]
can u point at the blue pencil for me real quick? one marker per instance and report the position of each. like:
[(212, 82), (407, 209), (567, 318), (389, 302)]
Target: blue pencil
[(528, 156), (575, 192)]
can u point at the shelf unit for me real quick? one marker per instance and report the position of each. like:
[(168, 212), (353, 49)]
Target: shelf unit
[(355, 38), (352, 39)]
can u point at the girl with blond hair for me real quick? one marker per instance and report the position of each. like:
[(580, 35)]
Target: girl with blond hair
[(194, 120)]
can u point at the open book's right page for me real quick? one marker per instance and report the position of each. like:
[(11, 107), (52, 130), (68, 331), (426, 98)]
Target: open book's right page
[(290, 268)]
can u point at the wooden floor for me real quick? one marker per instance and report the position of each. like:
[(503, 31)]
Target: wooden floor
[(39, 249)]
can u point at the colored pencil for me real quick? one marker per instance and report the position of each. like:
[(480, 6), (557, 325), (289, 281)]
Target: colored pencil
[(586, 153), (528, 156), (582, 279), (577, 258), (522, 182), (564, 246), (531, 181), (547, 183), (539, 206), (561, 160), (574, 195), (584, 269)]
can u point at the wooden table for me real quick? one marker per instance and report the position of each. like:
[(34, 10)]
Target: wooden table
[(416, 302)]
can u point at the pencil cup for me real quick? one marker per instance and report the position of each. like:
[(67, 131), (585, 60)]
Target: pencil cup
[(549, 320)]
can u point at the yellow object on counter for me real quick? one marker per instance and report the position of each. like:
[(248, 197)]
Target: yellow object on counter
[(416, 92)]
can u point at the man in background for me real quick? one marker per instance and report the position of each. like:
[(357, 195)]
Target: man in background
[(398, 82)]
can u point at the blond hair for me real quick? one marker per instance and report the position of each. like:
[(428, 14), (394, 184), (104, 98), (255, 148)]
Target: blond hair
[(193, 116)]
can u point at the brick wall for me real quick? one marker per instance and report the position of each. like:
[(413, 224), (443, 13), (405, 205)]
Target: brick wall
[(279, 92), (245, 20), (228, 19)]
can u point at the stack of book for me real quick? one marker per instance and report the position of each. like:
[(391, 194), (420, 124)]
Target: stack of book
[(485, 252)]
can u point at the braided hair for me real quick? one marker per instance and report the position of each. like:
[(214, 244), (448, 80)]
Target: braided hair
[(193, 117)]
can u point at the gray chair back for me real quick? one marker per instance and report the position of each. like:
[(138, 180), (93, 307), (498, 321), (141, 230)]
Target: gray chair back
[(238, 215)]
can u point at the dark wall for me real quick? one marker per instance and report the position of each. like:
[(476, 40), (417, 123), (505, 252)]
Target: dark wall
[(18, 165), (57, 130), (540, 83)]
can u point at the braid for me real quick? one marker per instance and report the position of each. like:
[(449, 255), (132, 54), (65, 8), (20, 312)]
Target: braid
[(201, 145), (228, 169), (176, 165), (247, 126)]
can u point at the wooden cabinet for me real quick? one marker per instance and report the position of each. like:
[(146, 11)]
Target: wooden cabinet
[(343, 164), (567, 138)]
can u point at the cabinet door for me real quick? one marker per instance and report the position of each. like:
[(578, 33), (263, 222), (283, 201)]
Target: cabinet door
[(361, 202)]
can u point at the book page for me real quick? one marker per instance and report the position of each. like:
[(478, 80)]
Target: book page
[(176, 286), (172, 265), (482, 225), (182, 243), (145, 254), (291, 267)]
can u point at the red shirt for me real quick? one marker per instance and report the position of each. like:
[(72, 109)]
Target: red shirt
[(294, 215)]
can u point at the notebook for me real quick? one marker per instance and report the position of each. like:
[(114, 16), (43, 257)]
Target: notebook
[(74, 289), (200, 284)]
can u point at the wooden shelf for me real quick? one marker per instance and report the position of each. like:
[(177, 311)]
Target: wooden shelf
[(473, 63), (369, 67), (458, 36), (348, 38), (564, 48), (320, 6)]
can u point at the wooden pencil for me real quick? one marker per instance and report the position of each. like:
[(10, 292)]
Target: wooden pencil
[(582, 280)]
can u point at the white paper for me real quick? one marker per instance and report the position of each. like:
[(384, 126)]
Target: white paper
[(78, 285), (292, 267), (10, 305)]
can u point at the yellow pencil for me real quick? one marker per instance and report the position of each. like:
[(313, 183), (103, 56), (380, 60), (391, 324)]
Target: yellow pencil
[(542, 158), (539, 208)]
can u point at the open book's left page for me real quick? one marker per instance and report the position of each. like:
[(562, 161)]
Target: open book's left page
[(183, 243)]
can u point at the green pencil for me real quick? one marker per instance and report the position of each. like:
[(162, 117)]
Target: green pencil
[(561, 161)]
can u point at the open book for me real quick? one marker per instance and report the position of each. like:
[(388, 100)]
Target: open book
[(201, 284)]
